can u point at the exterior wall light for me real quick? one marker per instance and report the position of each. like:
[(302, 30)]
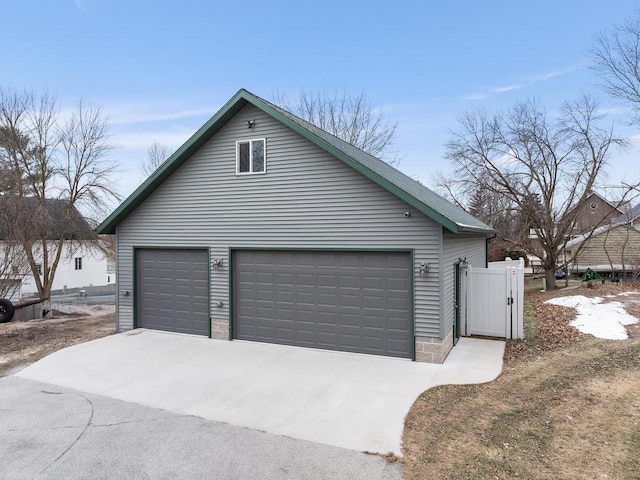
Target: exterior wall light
[(217, 263), (424, 268)]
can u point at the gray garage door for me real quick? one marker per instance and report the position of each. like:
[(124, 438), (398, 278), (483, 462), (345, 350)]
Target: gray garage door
[(172, 290), (348, 301)]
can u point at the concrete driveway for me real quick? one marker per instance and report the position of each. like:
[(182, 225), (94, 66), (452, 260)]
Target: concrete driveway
[(50, 432), (352, 401)]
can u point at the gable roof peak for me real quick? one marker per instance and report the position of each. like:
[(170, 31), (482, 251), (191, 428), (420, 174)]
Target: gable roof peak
[(407, 189)]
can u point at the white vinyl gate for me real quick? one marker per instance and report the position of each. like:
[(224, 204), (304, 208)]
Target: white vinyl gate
[(495, 296)]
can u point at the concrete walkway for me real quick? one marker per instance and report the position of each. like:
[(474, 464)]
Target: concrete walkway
[(345, 400)]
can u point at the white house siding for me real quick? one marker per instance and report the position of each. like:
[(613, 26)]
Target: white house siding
[(93, 272), (307, 199), (471, 247)]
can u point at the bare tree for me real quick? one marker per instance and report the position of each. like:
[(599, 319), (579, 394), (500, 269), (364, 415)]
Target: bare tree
[(616, 60), (57, 168), (545, 166), (14, 267), (351, 118), (157, 153), (491, 207)]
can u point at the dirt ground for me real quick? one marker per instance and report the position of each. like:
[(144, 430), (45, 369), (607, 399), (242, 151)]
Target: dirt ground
[(567, 406), (23, 343)]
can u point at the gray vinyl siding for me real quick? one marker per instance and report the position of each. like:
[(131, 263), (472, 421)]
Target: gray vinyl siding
[(473, 248), (307, 199)]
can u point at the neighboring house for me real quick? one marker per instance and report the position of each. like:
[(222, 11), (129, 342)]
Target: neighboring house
[(84, 259), (631, 218), (596, 211), (264, 227), (83, 264), (610, 249)]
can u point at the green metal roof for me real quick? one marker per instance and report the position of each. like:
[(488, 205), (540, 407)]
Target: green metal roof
[(412, 192)]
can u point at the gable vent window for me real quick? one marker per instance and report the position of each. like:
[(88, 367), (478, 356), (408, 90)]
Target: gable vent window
[(251, 157), (78, 263)]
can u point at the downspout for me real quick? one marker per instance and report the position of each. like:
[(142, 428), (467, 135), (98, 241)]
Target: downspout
[(486, 249)]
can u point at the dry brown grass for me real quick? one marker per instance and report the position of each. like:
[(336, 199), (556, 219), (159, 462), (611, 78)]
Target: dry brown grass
[(567, 406), (22, 343)]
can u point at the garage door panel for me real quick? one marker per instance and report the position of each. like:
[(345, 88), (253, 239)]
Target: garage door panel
[(172, 290), (286, 296), (305, 279), (348, 320), (327, 319), (285, 315), (264, 295), (397, 324), (305, 298), (351, 336), (398, 284), (329, 299), (351, 301), (347, 299), (288, 334)]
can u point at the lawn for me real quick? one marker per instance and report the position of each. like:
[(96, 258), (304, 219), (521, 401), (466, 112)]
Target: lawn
[(567, 406)]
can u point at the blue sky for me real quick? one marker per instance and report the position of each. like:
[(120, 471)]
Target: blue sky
[(160, 69)]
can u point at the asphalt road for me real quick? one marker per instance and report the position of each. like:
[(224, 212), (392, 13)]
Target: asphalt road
[(49, 432)]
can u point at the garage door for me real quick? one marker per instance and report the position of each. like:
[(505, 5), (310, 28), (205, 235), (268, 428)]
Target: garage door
[(172, 290), (348, 301)]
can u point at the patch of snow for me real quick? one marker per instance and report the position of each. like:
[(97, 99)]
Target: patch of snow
[(626, 294), (602, 320)]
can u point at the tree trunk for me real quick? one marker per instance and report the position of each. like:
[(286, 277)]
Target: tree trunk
[(550, 276)]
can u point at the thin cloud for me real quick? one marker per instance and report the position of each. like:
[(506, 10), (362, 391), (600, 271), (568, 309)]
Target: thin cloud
[(142, 140), (121, 115), (549, 75), (528, 81), (635, 139), (507, 89), (613, 111)]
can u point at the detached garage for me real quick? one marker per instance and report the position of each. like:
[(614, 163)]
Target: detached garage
[(263, 227)]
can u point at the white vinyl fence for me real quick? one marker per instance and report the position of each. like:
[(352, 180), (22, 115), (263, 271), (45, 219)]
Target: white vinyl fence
[(495, 297)]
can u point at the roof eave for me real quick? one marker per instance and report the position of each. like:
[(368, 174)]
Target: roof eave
[(370, 174), (199, 138), (469, 229)]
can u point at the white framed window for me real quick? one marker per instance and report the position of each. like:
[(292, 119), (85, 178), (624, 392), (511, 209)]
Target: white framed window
[(15, 270), (251, 156), (78, 263)]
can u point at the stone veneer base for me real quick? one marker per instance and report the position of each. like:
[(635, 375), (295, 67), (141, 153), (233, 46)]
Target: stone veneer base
[(428, 349), (433, 350), (220, 328)]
